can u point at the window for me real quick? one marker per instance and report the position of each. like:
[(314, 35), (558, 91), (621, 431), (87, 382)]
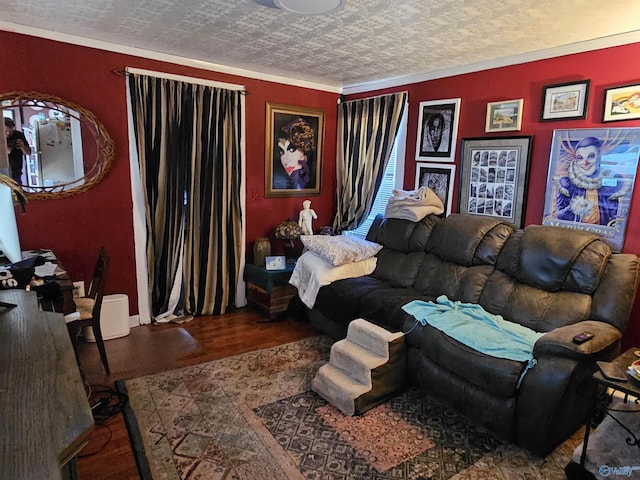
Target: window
[(393, 177)]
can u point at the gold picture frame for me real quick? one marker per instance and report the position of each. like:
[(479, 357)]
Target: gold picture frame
[(504, 116), (293, 150)]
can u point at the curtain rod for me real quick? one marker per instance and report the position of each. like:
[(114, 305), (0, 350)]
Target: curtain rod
[(341, 99), (126, 73)]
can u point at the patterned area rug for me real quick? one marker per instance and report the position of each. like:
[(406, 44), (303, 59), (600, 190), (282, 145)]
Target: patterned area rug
[(254, 416)]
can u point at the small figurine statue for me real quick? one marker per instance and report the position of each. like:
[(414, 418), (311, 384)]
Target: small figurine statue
[(307, 214)]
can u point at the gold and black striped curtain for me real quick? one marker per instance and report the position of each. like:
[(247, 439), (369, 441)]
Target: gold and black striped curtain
[(367, 129), (188, 138)]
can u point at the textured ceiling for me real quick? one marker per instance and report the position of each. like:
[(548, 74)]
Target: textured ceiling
[(367, 41)]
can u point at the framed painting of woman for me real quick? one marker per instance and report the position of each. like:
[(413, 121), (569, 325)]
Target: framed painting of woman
[(293, 150)]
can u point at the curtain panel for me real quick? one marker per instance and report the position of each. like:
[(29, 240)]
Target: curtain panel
[(367, 129), (188, 138)]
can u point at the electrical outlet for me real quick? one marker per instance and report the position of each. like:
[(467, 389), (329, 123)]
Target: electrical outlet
[(78, 289)]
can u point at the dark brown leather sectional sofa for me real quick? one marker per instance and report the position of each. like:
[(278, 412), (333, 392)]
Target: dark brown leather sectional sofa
[(550, 279)]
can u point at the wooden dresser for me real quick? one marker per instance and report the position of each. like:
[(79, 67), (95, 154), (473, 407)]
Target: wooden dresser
[(44, 411)]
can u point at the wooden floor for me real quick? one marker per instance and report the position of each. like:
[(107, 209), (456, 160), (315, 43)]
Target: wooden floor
[(154, 348)]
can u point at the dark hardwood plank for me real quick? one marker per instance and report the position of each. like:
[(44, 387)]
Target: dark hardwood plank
[(153, 348)]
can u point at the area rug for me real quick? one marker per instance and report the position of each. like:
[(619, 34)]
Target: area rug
[(253, 416)]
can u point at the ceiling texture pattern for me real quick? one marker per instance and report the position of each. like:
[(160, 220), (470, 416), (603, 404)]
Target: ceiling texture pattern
[(366, 41)]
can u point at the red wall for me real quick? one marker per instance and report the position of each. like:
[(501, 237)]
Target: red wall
[(75, 227), (605, 68)]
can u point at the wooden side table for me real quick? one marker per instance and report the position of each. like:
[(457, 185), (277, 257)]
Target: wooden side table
[(269, 290)]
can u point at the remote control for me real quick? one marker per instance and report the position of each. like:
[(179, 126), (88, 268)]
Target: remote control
[(582, 337)]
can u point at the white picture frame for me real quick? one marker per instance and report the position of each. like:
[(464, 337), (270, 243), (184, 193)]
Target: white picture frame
[(439, 177), (275, 262), (621, 103), (447, 112)]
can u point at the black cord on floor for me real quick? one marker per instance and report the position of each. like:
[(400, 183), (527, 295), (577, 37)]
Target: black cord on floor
[(105, 403), (104, 443)]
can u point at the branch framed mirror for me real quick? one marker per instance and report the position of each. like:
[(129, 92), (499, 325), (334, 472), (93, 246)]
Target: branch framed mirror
[(65, 149)]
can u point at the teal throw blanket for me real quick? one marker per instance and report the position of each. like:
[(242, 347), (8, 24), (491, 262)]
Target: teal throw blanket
[(473, 326)]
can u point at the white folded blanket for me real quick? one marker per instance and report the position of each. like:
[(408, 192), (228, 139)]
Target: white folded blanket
[(313, 272), (414, 205)]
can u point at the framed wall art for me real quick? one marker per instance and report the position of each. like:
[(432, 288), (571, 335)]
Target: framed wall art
[(504, 116), (493, 177), (564, 101), (438, 130), (439, 177), (591, 177), (293, 150), (622, 103)]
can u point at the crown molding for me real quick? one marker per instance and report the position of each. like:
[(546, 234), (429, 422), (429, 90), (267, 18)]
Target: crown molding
[(163, 57), (579, 47)]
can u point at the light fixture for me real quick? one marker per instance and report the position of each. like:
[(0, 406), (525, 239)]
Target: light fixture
[(306, 7)]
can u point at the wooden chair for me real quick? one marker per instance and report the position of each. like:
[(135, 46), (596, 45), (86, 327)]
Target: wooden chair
[(89, 307)]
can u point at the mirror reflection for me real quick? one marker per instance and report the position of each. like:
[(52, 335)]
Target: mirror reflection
[(55, 148)]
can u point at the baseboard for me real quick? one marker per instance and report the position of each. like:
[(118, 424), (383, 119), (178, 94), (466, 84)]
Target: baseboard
[(134, 320)]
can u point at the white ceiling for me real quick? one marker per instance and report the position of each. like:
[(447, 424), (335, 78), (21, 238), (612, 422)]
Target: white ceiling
[(366, 44)]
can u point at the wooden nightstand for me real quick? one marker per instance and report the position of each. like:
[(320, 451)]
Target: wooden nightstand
[(269, 290)]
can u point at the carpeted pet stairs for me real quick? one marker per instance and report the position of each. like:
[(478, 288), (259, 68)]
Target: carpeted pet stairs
[(365, 369)]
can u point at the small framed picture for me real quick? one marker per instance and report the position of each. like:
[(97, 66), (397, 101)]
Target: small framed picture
[(276, 262), (439, 177), (504, 116), (438, 130), (622, 103), (565, 101)]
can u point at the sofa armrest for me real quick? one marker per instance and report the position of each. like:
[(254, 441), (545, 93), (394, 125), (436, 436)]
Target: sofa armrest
[(560, 340)]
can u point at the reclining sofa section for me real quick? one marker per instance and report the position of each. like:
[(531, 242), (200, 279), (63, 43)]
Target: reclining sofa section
[(550, 279)]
